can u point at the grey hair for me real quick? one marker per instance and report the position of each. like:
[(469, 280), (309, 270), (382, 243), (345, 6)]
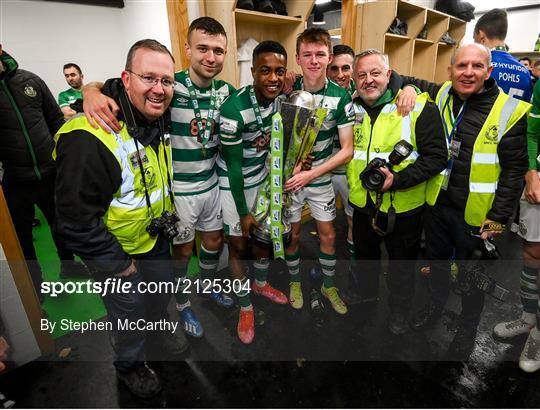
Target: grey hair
[(370, 52), (481, 46)]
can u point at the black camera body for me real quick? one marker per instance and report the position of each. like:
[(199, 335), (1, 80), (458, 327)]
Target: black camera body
[(165, 226), (372, 177), (475, 277)]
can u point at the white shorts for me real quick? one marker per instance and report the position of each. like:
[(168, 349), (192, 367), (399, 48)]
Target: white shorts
[(529, 221), (341, 188), (199, 212), (320, 199), (231, 219)]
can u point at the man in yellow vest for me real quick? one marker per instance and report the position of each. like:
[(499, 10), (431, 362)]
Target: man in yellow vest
[(390, 211), (479, 189), (114, 192)]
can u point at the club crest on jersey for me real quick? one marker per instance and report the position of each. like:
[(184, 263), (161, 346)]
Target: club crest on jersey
[(30, 91)]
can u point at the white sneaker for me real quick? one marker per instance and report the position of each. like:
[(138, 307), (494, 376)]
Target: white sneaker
[(507, 330), (529, 361)]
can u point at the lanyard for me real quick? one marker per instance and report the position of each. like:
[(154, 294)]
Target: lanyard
[(256, 109), (324, 90), (455, 121), (206, 128), (453, 144)]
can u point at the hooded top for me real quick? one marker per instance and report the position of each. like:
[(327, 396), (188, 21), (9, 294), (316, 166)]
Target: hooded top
[(29, 117)]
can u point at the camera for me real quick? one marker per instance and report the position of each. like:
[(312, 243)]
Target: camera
[(165, 226), (475, 277), (372, 177)]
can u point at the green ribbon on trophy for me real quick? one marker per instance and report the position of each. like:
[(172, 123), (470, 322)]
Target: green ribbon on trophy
[(293, 131), (276, 185)]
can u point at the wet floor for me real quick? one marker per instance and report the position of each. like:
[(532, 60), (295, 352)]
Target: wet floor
[(347, 361)]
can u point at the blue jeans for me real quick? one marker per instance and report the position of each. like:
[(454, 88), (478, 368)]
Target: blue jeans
[(154, 266)]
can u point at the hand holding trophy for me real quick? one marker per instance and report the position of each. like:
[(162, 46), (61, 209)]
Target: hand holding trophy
[(294, 131)]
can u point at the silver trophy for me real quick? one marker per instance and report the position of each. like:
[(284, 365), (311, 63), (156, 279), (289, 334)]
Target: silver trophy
[(302, 120)]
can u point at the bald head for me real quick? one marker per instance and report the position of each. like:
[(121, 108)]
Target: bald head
[(467, 49), (469, 68)]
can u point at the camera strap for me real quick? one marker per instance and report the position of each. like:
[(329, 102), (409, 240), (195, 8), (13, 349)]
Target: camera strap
[(391, 215), (133, 131)]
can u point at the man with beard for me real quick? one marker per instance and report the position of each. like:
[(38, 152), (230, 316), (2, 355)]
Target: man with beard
[(74, 77)]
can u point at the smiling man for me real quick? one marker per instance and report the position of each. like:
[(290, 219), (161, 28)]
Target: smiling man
[(486, 135), (195, 142), (314, 186), (245, 137), (378, 128), (340, 68), (110, 187)]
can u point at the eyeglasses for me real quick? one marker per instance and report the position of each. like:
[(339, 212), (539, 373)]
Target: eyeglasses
[(150, 80)]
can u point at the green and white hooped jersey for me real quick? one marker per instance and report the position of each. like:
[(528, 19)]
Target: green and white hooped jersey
[(342, 169), (194, 167), (341, 114), (238, 125)]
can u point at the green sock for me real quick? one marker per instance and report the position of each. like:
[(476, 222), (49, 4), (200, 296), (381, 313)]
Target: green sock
[(261, 271), (352, 255), (208, 263), (328, 266), (293, 263), (180, 272), (243, 295), (528, 290)]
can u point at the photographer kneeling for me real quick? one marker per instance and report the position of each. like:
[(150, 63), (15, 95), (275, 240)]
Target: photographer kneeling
[(394, 156)]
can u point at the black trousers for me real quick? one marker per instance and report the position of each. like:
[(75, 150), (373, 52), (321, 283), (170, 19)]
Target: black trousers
[(154, 267), (403, 247), (448, 233), (21, 198)]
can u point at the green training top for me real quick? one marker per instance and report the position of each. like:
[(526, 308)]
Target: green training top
[(533, 129), (65, 98)]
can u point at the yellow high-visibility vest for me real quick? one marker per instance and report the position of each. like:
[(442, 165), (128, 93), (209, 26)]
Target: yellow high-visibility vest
[(378, 140), (485, 167), (128, 214)]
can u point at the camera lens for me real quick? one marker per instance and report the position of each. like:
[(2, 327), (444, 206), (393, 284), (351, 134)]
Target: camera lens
[(374, 180)]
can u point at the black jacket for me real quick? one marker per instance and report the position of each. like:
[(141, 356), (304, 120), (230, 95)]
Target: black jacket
[(512, 152), (429, 141), (29, 117), (88, 175)]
